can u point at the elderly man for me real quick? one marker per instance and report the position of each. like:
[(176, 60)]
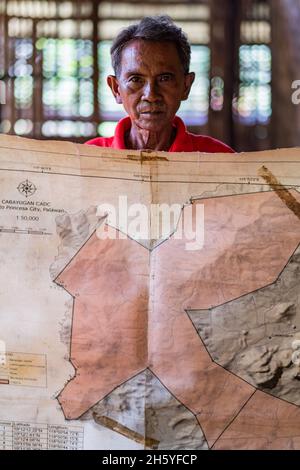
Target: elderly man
[(151, 62)]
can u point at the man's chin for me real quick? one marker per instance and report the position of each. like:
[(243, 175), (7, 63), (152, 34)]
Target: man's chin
[(153, 122)]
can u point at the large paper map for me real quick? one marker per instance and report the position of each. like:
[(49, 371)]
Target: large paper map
[(117, 337)]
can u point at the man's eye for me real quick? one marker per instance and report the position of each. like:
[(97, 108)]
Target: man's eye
[(165, 78), (135, 79)]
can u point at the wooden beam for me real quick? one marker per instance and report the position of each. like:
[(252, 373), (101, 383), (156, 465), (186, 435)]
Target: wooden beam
[(224, 27)]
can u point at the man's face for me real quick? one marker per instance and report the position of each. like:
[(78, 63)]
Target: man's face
[(151, 83)]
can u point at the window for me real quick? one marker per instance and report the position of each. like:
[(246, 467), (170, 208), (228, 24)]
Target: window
[(194, 19), (57, 57), (254, 102), (48, 69)]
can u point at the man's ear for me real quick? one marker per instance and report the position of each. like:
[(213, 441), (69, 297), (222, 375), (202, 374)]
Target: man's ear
[(113, 84), (188, 81)]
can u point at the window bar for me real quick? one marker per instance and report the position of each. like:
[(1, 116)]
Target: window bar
[(96, 113)]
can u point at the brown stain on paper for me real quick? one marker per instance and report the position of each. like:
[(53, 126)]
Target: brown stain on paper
[(124, 431), (282, 192)]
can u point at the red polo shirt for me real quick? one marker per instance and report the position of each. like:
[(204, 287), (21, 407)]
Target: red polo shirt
[(184, 140)]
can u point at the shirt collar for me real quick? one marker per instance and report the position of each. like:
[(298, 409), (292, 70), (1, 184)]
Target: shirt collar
[(181, 143)]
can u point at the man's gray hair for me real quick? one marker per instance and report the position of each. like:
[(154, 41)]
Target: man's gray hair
[(152, 28)]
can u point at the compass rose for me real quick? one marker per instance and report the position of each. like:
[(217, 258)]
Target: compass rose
[(27, 188)]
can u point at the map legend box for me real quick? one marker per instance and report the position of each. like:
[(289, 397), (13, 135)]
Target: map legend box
[(24, 369)]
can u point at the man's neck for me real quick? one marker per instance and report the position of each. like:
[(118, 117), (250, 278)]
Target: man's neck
[(141, 139)]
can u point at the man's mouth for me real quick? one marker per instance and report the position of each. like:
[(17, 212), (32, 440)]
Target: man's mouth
[(151, 113)]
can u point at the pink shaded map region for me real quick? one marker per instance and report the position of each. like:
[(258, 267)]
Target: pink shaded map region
[(130, 312)]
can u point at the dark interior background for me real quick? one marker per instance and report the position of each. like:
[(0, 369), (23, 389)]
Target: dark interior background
[(54, 58)]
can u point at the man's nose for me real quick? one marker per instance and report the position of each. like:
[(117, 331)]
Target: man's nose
[(151, 92)]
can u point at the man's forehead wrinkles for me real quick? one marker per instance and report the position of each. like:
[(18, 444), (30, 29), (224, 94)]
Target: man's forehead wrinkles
[(150, 56), (138, 66)]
